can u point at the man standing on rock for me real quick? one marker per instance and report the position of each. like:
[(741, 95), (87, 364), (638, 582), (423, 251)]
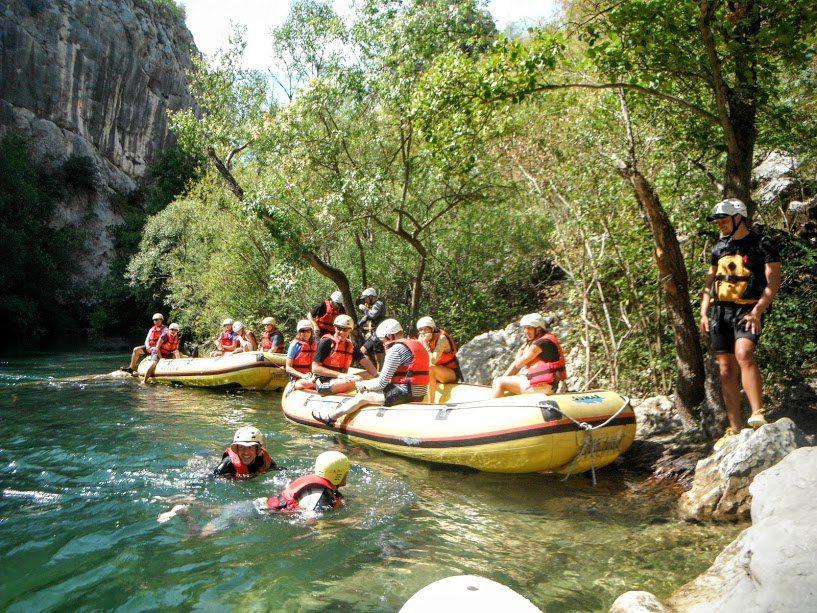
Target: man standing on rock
[(742, 281)]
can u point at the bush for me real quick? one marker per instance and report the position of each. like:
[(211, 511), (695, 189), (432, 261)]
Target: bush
[(79, 172)]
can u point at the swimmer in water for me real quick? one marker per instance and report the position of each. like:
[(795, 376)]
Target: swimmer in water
[(246, 457)]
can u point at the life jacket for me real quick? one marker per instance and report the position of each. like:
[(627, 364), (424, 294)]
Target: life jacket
[(541, 372), (241, 469), (326, 320), (154, 334), (287, 500), (266, 341), (227, 341), (168, 343), (303, 361), (416, 372), (449, 358), (343, 351), (732, 278)]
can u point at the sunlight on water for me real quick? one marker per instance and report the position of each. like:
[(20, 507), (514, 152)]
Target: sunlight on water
[(87, 465)]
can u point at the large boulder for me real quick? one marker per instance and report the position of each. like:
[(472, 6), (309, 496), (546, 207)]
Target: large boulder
[(771, 566), (720, 490), (637, 602)]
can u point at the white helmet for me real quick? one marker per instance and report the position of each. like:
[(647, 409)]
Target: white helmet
[(426, 322), (173, 326), (533, 320), (369, 291), (730, 206), (227, 322), (344, 321), (388, 327), (304, 324), (332, 466), (247, 436), (238, 326), (268, 320), (336, 297), (158, 316)]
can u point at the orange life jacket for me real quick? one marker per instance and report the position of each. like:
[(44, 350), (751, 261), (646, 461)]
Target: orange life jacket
[(287, 500), (266, 341), (241, 469), (154, 334), (326, 320), (227, 341), (303, 361), (541, 372), (449, 358), (343, 351), (168, 343), (416, 372)]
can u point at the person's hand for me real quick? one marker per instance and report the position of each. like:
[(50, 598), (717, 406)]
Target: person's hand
[(359, 386), (704, 325), (355, 378), (751, 322)]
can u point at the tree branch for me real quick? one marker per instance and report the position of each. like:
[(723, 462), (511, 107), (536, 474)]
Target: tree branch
[(225, 173)]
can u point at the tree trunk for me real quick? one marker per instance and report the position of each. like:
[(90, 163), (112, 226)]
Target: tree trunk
[(737, 176), (417, 287), (675, 283), (364, 276)]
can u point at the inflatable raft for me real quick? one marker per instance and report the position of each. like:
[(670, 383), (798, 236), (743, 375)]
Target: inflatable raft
[(254, 370), (563, 433)]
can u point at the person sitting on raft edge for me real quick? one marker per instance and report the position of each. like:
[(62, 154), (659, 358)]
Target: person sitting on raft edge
[(246, 457), (245, 338), (226, 342), (445, 367), (166, 349), (404, 377), (317, 492), (542, 358), (301, 351), (333, 356), (272, 339), (151, 340)]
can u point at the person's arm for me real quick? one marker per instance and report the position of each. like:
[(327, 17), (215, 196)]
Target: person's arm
[(147, 339), (390, 364), (369, 366), (176, 354), (225, 468), (277, 341), (706, 298), (525, 357), (252, 341), (292, 353), (752, 319), (441, 348), (322, 351)]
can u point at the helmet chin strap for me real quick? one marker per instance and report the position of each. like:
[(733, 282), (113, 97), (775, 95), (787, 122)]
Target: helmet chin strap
[(735, 225)]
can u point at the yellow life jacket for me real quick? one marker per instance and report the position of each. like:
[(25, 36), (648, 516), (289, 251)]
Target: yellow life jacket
[(732, 278)]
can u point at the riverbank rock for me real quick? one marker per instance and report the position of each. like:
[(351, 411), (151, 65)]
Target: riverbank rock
[(771, 566), (637, 602), (720, 489)]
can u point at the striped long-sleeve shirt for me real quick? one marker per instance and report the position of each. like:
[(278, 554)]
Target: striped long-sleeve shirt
[(396, 355)]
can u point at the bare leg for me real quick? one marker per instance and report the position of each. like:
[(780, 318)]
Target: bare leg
[(749, 373), (138, 352), (151, 369), (350, 406), (730, 387), (506, 384), (439, 374)]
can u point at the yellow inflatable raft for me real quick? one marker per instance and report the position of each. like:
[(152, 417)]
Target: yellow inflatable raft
[(563, 433), (254, 370)]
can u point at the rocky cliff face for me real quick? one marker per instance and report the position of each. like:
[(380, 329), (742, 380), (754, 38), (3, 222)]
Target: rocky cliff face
[(93, 80)]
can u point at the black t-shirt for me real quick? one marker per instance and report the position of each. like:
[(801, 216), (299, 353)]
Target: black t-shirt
[(741, 267), (547, 349), (324, 348), (320, 310)]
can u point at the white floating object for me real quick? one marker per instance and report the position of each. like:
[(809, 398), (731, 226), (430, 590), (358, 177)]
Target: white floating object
[(467, 593)]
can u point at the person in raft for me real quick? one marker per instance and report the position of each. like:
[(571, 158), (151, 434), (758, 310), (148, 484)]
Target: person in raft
[(301, 351), (743, 278), (445, 367), (226, 341), (317, 492), (246, 456), (272, 339), (404, 377), (541, 357), (167, 349), (334, 355), (323, 315), (245, 338), (374, 312), (151, 340)]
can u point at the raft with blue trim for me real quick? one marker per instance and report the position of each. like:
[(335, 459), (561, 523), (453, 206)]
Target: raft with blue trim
[(251, 370), (564, 433)]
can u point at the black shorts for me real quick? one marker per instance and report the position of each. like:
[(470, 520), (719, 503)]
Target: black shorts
[(725, 327), (398, 394), (373, 345)]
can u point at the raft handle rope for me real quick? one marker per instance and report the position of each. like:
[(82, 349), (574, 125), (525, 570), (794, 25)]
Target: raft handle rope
[(590, 442)]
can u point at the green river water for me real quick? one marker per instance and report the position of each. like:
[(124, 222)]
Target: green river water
[(86, 467)]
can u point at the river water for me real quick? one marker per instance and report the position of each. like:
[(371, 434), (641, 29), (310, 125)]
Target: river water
[(87, 466)]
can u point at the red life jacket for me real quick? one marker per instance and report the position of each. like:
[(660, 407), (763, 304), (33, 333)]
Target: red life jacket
[(303, 361), (241, 469), (449, 358), (168, 343), (287, 500), (541, 372), (343, 351), (266, 341), (227, 341), (154, 334), (416, 372), (326, 320)]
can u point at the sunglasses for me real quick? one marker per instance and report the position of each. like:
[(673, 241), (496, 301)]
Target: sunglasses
[(341, 328)]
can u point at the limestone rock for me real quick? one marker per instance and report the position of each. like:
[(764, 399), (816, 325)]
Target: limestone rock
[(637, 602), (771, 566), (720, 490), (656, 416), (776, 164)]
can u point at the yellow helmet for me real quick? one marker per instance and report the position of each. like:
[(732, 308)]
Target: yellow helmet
[(332, 466)]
